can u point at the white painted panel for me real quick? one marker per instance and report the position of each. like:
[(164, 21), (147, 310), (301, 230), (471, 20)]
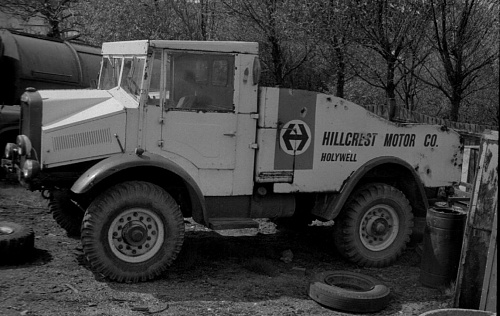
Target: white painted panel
[(83, 141), (210, 46), (59, 104), (346, 136), (245, 155), (267, 145), (125, 48), (268, 107), (216, 182), (246, 104), (245, 96), (205, 139)]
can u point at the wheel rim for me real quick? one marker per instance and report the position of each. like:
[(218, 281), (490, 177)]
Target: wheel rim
[(379, 227), (136, 235)]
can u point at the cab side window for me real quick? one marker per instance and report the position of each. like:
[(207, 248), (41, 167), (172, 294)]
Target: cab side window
[(220, 73), (203, 82)]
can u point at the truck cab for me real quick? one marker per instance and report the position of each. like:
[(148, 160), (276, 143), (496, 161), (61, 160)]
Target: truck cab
[(182, 129)]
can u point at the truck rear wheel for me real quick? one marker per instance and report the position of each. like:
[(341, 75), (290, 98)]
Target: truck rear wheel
[(65, 213), (374, 226), (132, 232)]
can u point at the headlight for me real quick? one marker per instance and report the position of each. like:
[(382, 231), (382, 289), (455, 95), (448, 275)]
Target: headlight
[(24, 144), (30, 168), (10, 151)]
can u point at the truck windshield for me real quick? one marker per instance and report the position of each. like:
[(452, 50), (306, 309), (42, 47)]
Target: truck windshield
[(132, 74), (110, 73), (131, 69)]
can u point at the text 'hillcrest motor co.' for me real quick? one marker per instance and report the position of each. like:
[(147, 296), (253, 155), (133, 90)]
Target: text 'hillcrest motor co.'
[(357, 139), (317, 130)]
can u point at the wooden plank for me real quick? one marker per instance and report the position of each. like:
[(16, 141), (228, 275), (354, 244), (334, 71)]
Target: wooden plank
[(479, 225), (489, 292)]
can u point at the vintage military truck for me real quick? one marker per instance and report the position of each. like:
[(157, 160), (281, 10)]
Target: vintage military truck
[(181, 129)]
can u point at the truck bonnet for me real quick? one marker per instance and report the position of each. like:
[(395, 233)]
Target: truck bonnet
[(80, 124)]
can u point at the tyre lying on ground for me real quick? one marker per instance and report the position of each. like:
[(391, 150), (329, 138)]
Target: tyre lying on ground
[(16, 242), (349, 291)]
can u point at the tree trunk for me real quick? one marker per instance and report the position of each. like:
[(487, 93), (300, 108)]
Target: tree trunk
[(391, 87), (277, 57), (54, 32), (455, 100), (340, 80), (340, 68), (276, 49), (203, 20)]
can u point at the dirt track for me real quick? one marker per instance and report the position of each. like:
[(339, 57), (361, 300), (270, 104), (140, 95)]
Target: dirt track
[(239, 273)]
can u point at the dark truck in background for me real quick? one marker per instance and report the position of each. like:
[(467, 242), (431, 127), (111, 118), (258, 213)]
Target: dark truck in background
[(40, 62)]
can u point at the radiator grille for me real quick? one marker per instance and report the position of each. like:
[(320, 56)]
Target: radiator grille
[(82, 139)]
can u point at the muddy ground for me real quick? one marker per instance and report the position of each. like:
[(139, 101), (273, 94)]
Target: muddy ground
[(235, 273)]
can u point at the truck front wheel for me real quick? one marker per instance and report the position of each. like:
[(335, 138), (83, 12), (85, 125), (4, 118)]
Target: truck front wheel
[(132, 232), (374, 226)]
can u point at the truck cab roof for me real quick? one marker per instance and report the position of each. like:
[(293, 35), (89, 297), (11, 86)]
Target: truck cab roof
[(141, 47)]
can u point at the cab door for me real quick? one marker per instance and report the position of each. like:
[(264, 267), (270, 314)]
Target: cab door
[(200, 121)]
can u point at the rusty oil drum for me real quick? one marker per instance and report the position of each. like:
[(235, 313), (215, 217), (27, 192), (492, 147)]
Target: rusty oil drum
[(443, 236)]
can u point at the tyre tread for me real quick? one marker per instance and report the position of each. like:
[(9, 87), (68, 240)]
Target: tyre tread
[(95, 215), (344, 239), (18, 245), (370, 300)]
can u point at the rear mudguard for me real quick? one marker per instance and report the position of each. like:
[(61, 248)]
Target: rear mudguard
[(117, 163), (332, 207)]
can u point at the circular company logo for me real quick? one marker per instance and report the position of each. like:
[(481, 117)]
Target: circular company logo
[(295, 137)]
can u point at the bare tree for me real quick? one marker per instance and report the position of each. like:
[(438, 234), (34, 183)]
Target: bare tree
[(113, 20), (334, 32), (280, 28), (56, 13), (465, 36), (201, 19), (390, 29), (412, 63), (118, 20)]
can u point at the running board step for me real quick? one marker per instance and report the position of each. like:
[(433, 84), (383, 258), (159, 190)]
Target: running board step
[(222, 223)]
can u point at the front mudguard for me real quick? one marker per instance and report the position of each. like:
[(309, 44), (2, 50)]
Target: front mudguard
[(118, 163)]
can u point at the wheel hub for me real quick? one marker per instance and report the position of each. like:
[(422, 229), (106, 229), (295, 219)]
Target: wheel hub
[(379, 227), (135, 233)]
